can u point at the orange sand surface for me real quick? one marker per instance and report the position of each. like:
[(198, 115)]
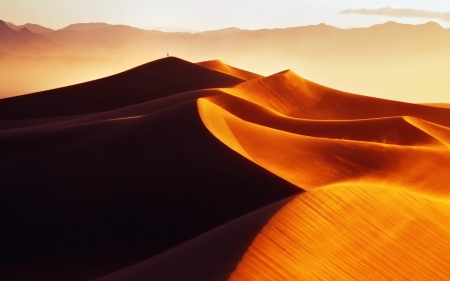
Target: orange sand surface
[(217, 65), (182, 171), (353, 232), (375, 172)]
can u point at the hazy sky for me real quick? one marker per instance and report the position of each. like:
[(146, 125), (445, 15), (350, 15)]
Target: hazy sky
[(200, 15)]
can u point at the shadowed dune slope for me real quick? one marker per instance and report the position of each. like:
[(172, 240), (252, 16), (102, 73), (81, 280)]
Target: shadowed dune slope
[(212, 256), (217, 65), (157, 79), (106, 190), (291, 95), (105, 193)]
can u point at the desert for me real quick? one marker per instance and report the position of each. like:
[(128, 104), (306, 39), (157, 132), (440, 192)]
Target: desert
[(300, 153)]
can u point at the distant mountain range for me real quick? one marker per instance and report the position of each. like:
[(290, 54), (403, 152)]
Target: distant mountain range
[(390, 60), (8, 34), (30, 26)]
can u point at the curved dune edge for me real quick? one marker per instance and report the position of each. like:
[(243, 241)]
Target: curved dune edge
[(439, 132), (311, 163), (377, 203), (441, 105), (231, 240), (353, 233), (218, 65), (387, 130), (294, 96), (217, 125)]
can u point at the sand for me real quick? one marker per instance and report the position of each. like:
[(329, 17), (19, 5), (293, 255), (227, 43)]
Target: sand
[(86, 196), (182, 171)]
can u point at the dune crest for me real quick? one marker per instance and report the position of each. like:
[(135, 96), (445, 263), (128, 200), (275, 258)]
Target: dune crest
[(217, 65), (441, 133), (375, 172), (311, 162), (386, 130), (294, 96)]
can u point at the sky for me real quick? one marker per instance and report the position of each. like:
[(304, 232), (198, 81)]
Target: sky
[(201, 15)]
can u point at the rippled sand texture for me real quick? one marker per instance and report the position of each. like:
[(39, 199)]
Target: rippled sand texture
[(375, 172)]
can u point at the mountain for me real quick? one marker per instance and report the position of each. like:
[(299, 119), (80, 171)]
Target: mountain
[(86, 26), (23, 41), (407, 60), (221, 32), (6, 33), (35, 28)]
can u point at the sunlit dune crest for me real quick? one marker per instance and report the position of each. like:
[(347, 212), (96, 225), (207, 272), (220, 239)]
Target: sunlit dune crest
[(441, 133), (330, 161), (388, 130), (443, 105), (126, 118), (217, 65), (294, 96), (375, 171)]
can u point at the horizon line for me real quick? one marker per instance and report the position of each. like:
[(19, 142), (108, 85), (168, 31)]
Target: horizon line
[(184, 30)]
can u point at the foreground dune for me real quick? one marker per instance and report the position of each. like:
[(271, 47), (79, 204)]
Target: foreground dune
[(353, 233), (376, 172), (182, 171)]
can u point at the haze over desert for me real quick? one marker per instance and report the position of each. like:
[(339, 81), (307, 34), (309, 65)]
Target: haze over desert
[(258, 152)]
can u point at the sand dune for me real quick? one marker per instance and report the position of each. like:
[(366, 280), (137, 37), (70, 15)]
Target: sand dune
[(388, 130), (182, 171), (217, 65), (230, 240), (378, 188), (294, 96), (154, 80), (108, 189), (444, 105), (329, 161), (353, 233)]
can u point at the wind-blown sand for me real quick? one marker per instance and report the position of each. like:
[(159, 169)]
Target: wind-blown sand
[(182, 171), (217, 65)]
